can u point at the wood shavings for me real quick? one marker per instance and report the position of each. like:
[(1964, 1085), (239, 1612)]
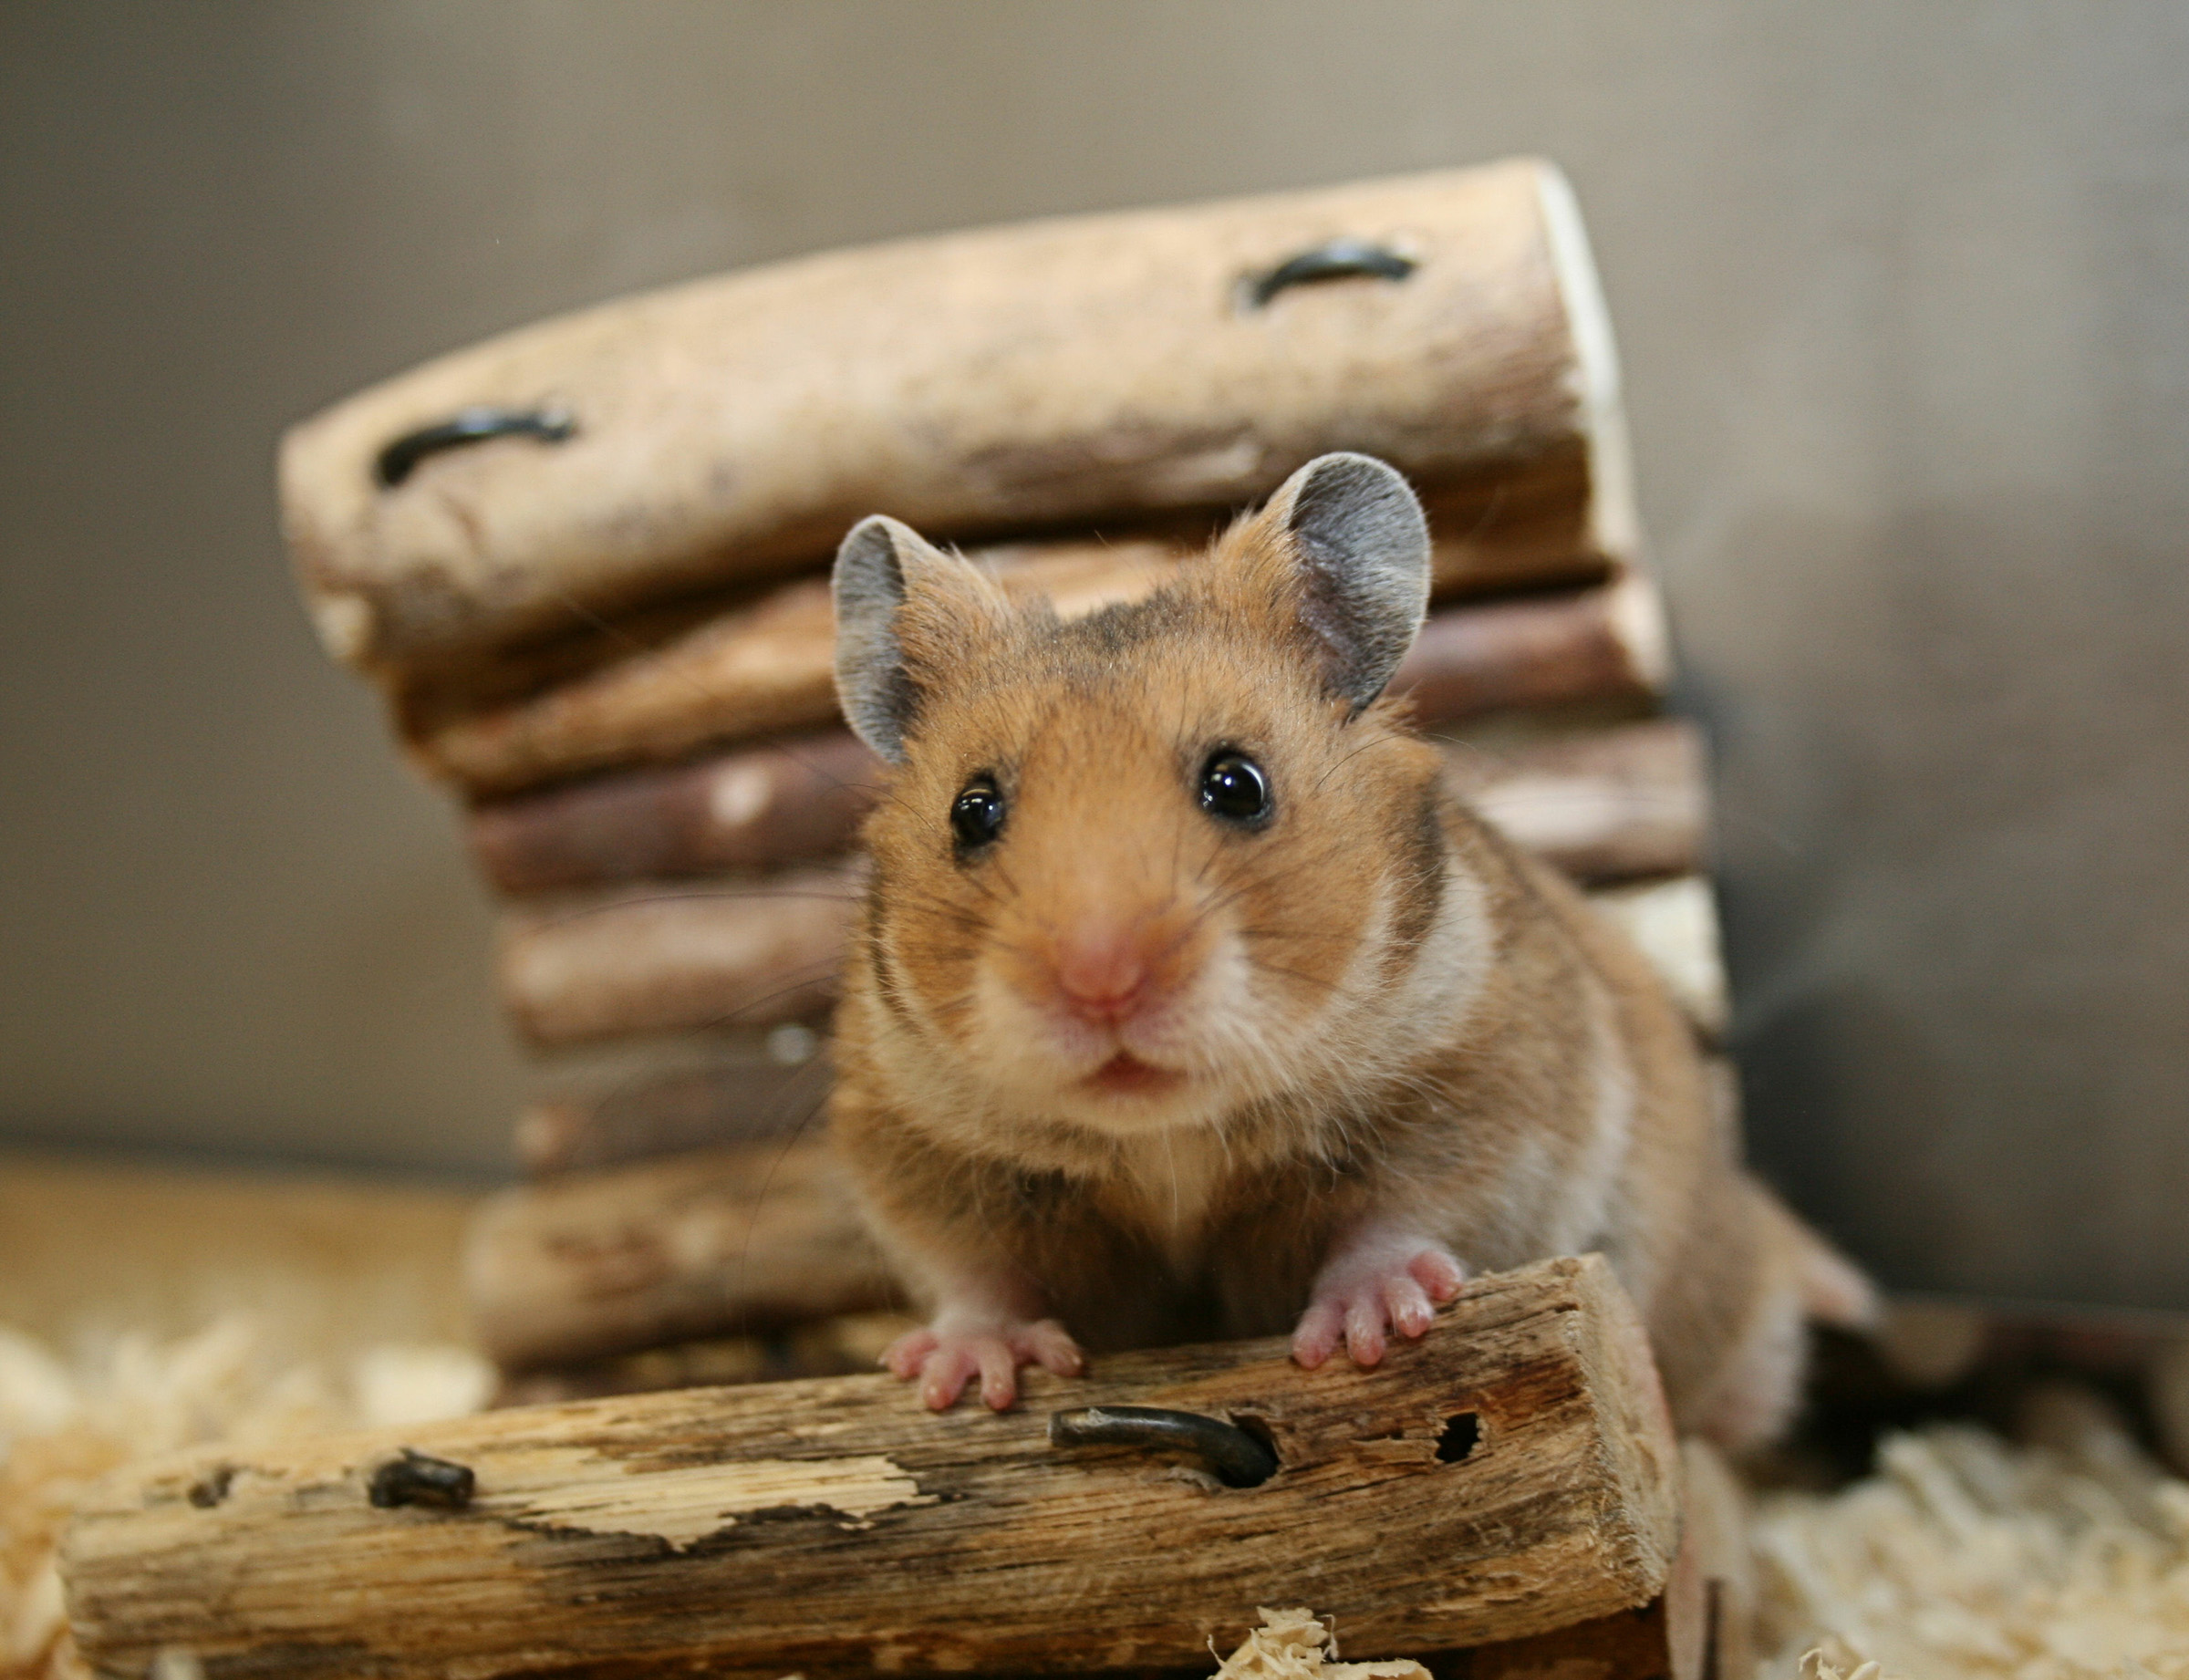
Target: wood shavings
[(1965, 1556), (1291, 1644), (62, 1427)]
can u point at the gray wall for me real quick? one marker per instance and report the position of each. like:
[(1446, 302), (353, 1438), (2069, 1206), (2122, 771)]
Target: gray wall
[(1901, 294)]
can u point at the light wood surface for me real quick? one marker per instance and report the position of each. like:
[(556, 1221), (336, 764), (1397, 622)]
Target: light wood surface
[(832, 1526), (1061, 371)]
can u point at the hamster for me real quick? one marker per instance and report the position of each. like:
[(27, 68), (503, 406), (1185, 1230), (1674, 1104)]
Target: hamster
[(1185, 1003)]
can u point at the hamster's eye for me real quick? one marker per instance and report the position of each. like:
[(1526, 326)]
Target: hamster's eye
[(1234, 789), (977, 814)]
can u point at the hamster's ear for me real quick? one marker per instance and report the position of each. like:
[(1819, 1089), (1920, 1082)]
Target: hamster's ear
[(1361, 550), (899, 601)]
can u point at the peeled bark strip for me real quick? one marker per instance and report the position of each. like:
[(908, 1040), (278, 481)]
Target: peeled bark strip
[(665, 957), (1056, 372), (725, 1243), (1606, 805), (770, 667), (1511, 1473)]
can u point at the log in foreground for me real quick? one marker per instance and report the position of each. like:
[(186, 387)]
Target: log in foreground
[(769, 668), (730, 1241), (1511, 1474), (1057, 373)]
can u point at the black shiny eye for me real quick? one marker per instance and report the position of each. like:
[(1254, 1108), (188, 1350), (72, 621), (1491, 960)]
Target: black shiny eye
[(1233, 788), (977, 814)]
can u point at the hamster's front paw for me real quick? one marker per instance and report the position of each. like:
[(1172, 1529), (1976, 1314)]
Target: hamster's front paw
[(1374, 1285), (953, 1349)]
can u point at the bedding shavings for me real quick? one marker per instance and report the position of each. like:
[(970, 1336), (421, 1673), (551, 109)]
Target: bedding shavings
[(62, 1427)]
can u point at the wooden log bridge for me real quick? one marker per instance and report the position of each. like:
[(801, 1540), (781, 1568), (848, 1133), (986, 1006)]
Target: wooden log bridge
[(1511, 1474)]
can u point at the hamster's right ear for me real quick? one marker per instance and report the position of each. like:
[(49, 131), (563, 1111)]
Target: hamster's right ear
[(883, 568)]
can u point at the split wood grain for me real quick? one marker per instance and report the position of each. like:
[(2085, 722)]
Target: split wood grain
[(769, 668), (833, 1528), (997, 380), (720, 1242)]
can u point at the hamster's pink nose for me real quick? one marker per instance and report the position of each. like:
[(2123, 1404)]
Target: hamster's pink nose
[(1102, 972)]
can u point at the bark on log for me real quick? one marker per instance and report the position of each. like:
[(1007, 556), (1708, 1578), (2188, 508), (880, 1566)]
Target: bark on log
[(1511, 1473), (692, 1094), (669, 957), (769, 668), (1004, 380), (1604, 805), (730, 1241)]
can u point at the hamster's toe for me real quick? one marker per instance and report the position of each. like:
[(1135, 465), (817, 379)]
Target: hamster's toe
[(1374, 1287), (943, 1359)]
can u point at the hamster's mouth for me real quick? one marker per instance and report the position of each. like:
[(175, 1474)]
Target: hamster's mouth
[(1124, 1074)]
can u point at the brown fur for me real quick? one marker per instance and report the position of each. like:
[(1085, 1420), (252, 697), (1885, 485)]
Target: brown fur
[(1390, 1017)]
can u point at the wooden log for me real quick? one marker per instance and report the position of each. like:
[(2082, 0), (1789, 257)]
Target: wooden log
[(764, 668), (849, 1344), (1604, 804), (671, 956), (753, 808), (1698, 1628), (1044, 375), (1674, 923), (696, 1090), (769, 668), (1511, 1473), (728, 1241)]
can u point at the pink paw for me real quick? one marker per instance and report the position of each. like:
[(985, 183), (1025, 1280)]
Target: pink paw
[(1371, 1290), (949, 1352)]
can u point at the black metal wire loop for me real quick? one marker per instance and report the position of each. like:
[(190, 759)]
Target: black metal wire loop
[(1340, 259), (1235, 1458), (396, 461)]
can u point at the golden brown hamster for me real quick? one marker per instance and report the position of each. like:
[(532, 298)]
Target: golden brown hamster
[(1186, 1002)]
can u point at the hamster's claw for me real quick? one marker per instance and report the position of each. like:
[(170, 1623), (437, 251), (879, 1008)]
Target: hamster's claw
[(1363, 1295), (945, 1359)]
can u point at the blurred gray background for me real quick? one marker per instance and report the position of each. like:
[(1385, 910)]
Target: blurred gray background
[(1901, 295)]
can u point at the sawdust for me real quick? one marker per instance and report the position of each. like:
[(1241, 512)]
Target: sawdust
[(64, 1425), (1291, 1644), (1966, 1558)]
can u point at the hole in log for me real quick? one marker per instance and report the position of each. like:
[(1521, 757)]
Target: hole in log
[(1462, 1432), (211, 1487), (1247, 1423)]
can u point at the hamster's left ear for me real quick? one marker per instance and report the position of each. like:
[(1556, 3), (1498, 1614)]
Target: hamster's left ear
[(1361, 549), (903, 610)]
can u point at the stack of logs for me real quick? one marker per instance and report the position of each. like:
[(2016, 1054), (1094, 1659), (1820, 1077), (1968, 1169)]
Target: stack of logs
[(604, 623)]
